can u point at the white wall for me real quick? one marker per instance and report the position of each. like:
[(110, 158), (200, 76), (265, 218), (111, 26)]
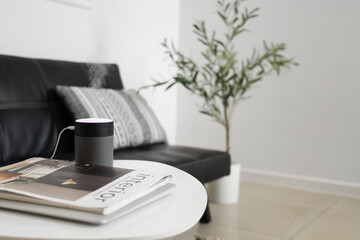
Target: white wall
[(305, 123), (126, 32), (45, 29), (130, 34)]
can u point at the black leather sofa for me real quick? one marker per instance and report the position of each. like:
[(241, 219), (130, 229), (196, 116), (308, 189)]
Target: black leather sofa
[(31, 116)]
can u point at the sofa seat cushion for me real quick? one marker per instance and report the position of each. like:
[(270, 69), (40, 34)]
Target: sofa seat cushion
[(204, 164)]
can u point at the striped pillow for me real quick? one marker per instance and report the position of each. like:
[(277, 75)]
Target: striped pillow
[(135, 123)]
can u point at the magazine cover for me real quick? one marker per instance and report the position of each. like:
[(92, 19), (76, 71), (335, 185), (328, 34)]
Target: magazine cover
[(77, 184)]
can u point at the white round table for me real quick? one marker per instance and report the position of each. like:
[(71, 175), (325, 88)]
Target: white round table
[(166, 217)]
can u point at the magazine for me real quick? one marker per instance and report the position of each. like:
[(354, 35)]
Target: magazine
[(78, 191)]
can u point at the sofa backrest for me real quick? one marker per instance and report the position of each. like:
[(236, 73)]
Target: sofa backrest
[(31, 114)]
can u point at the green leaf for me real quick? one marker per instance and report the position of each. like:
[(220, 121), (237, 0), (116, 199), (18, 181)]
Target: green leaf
[(236, 9), (196, 27), (204, 76), (202, 41), (207, 70), (206, 56), (223, 17), (220, 43), (195, 76), (203, 29), (205, 112), (226, 7), (159, 84), (215, 108), (168, 87), (265, 46), (255, 80), (254, 11), (231, 78)]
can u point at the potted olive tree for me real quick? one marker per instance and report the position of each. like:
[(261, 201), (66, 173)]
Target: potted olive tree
[(221, 79)]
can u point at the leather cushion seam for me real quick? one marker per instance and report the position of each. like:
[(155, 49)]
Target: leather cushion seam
[(3, 142), (23, 106)]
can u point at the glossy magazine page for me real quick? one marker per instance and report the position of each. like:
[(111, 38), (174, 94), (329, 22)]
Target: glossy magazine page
[(79, 186)]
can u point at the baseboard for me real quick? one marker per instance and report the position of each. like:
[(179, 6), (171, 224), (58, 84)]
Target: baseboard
[(346, 189)]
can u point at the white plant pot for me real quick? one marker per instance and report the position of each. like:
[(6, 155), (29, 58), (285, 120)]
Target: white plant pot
[(225, 190)]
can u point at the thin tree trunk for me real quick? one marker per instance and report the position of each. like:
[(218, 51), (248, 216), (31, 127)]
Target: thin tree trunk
[(227, 135), (227, 129)]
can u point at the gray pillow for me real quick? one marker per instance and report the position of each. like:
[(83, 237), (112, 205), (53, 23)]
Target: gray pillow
[(135, 124)]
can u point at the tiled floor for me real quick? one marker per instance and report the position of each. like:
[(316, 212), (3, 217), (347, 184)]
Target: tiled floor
[(267, 212)]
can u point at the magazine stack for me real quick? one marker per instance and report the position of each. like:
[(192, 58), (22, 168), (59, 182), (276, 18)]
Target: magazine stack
[(77, 191)]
